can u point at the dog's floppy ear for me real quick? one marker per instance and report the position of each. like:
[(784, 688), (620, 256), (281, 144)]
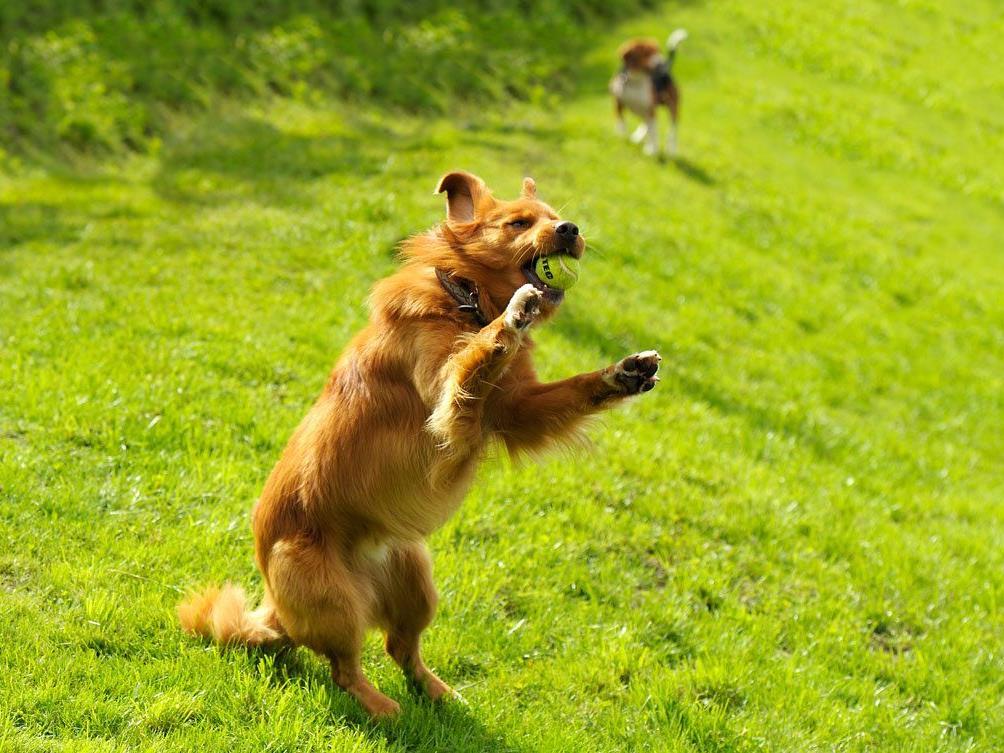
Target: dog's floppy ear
[(529, 188), (463, 191)]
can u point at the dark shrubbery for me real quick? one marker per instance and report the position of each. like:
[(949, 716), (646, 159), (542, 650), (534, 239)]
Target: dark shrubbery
[(103, 74)]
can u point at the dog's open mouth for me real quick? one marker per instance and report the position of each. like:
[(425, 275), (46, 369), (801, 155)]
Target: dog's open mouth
[(553, 296)]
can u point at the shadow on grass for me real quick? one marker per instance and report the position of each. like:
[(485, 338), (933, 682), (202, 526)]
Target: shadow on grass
[(29, 221), (693, 171), (246, 158), (422, 725)]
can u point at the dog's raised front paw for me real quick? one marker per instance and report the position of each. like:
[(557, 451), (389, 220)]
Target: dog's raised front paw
[(523, 308), (634, 374)]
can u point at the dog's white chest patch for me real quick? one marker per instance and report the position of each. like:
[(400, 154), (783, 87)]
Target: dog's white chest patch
[(375, 551), (636, 93)]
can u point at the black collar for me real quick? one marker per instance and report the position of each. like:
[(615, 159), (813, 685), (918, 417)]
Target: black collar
[(465, 293)]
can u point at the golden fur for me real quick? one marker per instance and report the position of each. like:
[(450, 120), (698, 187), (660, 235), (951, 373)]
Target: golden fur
[(389, 449)]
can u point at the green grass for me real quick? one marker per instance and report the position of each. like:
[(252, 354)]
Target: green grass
[(793, 544)]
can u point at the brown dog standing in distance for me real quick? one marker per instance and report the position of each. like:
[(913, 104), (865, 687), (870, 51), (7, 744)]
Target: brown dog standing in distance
[(643, 84), (389, 449)]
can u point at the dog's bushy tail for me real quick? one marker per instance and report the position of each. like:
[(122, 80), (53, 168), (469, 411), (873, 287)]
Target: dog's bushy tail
[(222, 615)]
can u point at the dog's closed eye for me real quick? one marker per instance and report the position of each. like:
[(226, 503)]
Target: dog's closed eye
[(520, 224)]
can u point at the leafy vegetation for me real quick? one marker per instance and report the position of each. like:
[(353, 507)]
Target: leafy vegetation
[(100, 76), (793, 544)]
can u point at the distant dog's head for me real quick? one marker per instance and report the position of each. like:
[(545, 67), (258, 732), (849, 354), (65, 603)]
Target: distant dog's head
[(639, 54), (495, 243)]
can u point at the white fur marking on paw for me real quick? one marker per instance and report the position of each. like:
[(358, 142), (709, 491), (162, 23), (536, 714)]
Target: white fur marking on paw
[(523, 308), (652, 142), (671, 145)]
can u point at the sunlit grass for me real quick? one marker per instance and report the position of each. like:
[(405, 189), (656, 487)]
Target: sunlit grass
[(794, 543)]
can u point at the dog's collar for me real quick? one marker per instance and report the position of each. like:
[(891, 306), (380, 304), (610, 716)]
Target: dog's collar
[(465, 293)]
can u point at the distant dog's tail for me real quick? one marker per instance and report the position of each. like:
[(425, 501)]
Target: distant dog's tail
[(222, 614), (673, 42)]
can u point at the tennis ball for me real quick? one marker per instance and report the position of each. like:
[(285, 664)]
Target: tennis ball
[(560, 271)]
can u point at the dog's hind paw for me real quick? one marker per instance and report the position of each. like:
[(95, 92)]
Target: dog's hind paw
[(523, 308), (634, 374)]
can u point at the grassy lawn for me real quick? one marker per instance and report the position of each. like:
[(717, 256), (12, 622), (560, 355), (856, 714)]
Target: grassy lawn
[(795, 543)]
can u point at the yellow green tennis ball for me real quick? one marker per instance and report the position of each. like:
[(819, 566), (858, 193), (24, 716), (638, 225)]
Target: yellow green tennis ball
[(560, 271)]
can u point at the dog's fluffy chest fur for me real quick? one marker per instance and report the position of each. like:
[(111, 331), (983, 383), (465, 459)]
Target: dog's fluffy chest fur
[(635, 92), (364, 458)]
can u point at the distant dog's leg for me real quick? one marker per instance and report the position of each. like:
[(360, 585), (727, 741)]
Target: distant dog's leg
[(407, 603), (640, 133), (536, 414), (619, 126), (673, 103), (652, 133), (473, 371)]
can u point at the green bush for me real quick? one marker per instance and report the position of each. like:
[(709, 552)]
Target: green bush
[(103, 75)]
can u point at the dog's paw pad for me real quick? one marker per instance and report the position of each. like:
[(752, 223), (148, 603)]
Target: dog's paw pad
[(636, 373), (523, 308)]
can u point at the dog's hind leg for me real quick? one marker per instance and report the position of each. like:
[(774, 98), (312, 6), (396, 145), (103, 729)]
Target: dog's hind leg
[(347, 672), (324, 604), (406, 599), (673, 103)]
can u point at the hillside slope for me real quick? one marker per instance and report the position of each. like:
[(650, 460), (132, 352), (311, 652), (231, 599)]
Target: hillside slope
[(793, 544)]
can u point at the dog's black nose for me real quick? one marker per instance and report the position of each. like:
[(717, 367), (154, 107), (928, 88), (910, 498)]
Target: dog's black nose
[(567, 230)]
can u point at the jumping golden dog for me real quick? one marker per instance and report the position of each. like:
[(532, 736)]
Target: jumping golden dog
[(389, 449)]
